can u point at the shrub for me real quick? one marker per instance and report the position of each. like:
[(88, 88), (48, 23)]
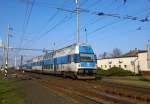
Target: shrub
[(114, 71), (101, 72)]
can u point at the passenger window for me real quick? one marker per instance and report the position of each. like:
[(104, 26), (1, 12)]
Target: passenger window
[(72, 58), (69, 59)]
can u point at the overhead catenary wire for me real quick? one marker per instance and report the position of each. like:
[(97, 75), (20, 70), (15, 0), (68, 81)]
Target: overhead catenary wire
[(111, 15), (52, 28), (27, 19), (104, 26), (122, 19), (26, 22), (90, 23), (51, 18), (93, 22), (27, 49), (99, 14), (62, 21)]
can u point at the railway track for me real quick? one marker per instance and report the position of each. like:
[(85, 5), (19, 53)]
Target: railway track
[(135, 92), (117, 85), (79, 92), (93, 92)]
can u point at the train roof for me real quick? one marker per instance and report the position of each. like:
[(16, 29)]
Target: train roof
[(72, 45)]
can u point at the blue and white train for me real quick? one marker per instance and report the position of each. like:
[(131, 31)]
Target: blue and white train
[(77, 61)]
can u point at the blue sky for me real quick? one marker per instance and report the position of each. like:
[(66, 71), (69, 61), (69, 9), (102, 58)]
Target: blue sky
[(123, 34)]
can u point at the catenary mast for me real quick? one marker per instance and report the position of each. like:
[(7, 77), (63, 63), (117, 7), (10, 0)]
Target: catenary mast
[(78, 20)]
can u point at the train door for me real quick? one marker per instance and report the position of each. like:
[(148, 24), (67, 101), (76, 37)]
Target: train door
[(55, 65)]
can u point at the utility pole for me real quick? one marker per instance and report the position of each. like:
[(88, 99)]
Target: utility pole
[(21, 62), (86, 38), (54, 48), (15, 61), (78, 20), (4, 49), (7, 48)]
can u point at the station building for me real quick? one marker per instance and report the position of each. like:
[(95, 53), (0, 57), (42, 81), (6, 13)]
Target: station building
[(137, 61)]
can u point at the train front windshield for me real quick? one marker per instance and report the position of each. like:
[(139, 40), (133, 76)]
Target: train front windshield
[(87, 58)]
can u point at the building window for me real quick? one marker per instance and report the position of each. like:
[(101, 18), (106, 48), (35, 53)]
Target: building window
[(119, 66), (120, 61), (105, 66), (125, 66), (110, 62), (114, 65), (109, 66), (101, 66)]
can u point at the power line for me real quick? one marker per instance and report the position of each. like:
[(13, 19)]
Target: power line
[(89, 23), (62, 21), (145, 19), (105, 26), (52, 18), (27, 49), (27, 18), (58, 24), (28, 13), (108, 14), (54, 15), (98, 14)]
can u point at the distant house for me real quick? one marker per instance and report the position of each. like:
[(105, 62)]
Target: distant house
[(137, 61)]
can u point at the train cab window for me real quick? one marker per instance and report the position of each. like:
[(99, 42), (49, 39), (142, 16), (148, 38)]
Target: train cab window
[(72, 58), (69, 58), (76, 58), (87, 57)]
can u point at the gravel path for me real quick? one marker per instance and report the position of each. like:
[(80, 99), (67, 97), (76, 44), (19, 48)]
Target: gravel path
[(37, 94)]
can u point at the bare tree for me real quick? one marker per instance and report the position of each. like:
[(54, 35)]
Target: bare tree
[(103, 55), (116, 52)]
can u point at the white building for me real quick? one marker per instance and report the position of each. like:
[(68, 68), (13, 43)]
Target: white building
[(136, 61)]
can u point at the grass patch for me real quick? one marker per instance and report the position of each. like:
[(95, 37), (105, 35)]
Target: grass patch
[(9, 92), (145, 79), (133, 82), (114, 71)]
